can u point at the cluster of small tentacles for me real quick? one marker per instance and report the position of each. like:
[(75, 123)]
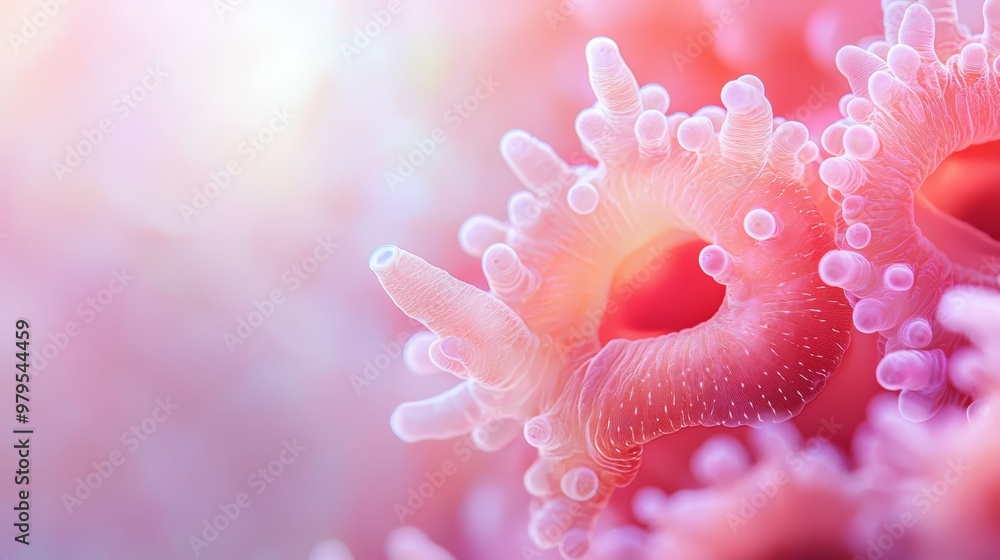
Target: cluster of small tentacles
[(926, 92), (529, 353)]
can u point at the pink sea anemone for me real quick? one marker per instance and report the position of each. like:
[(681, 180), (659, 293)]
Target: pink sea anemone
[(926, 92), (531, 350)]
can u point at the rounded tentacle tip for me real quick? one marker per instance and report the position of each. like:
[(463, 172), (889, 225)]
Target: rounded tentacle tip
[(455, 348), (870, 316), (695, 133), (398, 423), (847, 270), (416, 353), (383, 258), (761, 225), (898, 277), (580, 484), (740, 97), (861, 142), (602, 52), (583, 198), (591, 126), (506, 274), (842, 173), (479, 232), (540, 432), (916, 333), (858, 235), (516, 144), (912, 369), (536, 479), (714, 261)]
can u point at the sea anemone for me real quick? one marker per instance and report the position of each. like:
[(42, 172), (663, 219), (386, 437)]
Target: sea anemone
[(532, 350), (926, 92)]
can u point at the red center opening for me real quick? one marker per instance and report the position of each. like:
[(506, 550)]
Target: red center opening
[(660, 289), (966, 191)]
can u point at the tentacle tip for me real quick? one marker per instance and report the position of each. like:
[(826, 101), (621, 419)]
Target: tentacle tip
[(917, 9), (695, 133), (861, 142), (515, 144), (397, 421), (455, 348), (583, 198), (602, 52), (898, 278), (916, 333), (809, 152), (869, 316), (858, 235), (714, 260), (740, 96), (761, 224), (579, 484), (844, 53), (383, 258), (539, 431), (834, 268)]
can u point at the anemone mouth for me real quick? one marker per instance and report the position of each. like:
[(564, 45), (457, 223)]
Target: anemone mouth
[(958, 205), (660, 289)]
